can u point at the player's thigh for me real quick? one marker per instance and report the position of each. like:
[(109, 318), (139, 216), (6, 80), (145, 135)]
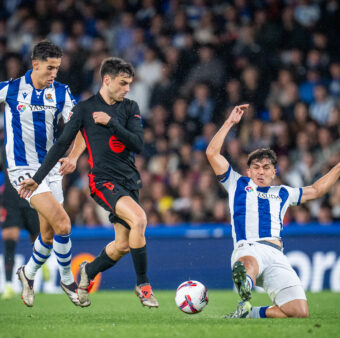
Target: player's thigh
[(131, 212), (47, 206), (122, 237), (248, 251), (279, 276)]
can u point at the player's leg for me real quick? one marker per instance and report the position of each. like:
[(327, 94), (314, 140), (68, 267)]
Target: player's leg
[(244, 273), (130, 211), (10, 237), (42, 248), (109, 256)]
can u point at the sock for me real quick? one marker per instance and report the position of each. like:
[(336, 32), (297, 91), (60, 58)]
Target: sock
[(250, 282), (9, 248), (258, 312), (62, 247), (41, 251), (101, 263), (140, 263)]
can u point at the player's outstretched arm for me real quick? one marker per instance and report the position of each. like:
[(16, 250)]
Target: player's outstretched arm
[(217, 161), (321, 186), (69, 163)]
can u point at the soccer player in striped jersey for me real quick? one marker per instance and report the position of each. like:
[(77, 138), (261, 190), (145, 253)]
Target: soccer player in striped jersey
[(257, 210), (34, 103)]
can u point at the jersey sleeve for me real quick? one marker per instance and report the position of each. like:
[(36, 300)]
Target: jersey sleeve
[(229, 178), (70, 102), (294, 195), (3, 90), (61, 145), (133, 135)]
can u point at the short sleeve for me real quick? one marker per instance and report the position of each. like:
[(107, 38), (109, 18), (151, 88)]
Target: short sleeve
[(70, 102), (229, 178), (294, 195)]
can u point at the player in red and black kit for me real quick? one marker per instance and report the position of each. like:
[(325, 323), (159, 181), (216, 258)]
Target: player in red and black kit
[(112, 129)]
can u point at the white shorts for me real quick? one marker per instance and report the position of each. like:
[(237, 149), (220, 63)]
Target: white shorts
[(52, 182), (276, 275)]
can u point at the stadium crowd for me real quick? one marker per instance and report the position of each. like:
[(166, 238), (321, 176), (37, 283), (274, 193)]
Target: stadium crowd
[(194, 61)]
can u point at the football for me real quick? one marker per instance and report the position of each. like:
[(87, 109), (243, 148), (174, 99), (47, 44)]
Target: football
[(191, 297)]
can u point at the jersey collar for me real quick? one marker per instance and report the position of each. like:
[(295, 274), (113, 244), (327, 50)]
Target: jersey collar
[(28, 80)]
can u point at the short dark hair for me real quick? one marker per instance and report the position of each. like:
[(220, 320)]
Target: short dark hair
[(260, 154), (46, 49), (114, 66)]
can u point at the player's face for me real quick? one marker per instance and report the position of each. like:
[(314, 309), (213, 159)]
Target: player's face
[(46, 71), (119, 86), (262, 172)]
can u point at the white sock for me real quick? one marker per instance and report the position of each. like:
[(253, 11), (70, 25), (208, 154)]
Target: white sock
[(41, 252), (250, 282), (62, 247), (258, 312)]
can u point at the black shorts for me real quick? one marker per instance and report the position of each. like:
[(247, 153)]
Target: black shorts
[(106, 194), (23, 217)]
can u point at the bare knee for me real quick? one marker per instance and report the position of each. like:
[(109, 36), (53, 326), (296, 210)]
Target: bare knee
[(123, 248), (139, 223), (298, 309), (62, 224)]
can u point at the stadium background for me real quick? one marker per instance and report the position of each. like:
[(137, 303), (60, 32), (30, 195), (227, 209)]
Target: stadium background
[(195, 60)]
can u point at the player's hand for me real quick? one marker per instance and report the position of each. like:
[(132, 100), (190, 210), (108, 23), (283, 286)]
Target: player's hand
[(68, 165), (236, 114), (100, 117), (27, 187)]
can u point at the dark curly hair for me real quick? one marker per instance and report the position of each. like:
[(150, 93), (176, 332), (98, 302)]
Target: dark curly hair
[(260, 154)]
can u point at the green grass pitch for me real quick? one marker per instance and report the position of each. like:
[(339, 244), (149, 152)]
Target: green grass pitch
[(120, 314)]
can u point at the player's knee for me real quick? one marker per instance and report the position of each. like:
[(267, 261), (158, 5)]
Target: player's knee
[(123, 248), (298, 311), (139, 222), (63, 226)]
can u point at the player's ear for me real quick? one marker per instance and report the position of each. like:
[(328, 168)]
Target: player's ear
[(248, 172), (107, 80), (35, 64), (274, 174)]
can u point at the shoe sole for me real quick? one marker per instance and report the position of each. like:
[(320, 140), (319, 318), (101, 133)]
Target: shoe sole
[(239, 275)]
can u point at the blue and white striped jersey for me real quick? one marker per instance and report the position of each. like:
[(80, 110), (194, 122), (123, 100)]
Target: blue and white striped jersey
[(31, 119), (257, 212)]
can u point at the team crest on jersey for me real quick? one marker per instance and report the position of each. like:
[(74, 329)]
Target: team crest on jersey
[(24, 95), (49, 97), (249, 189), (21, 108)]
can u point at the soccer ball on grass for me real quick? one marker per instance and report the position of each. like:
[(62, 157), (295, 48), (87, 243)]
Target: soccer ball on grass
[(191, 297)]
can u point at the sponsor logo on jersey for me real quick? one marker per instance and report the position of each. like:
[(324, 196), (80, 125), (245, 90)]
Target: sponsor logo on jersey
[(266, 196), (21, 108), (49, 97), (115, 145), (249, 189), (24, 95)]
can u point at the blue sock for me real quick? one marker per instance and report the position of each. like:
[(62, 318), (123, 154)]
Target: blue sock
[(258, 312), (62, 247)]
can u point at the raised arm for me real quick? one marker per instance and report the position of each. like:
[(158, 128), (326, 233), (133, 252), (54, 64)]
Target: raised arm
[(217, 161), (321, 186)]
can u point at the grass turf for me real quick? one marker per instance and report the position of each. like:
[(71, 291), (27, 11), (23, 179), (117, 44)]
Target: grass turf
[(119, 314)]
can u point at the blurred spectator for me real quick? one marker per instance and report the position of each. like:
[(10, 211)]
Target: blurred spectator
[(194, 61)]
